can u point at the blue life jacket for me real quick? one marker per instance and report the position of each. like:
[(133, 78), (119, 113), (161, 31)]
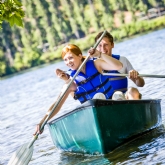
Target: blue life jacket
[(118, 83), (91, 83)]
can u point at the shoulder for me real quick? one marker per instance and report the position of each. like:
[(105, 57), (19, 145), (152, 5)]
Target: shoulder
[(124, 60), (90, 63), (127, 66)]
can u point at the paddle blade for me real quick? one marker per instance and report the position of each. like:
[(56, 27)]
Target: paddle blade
[(22, 156)]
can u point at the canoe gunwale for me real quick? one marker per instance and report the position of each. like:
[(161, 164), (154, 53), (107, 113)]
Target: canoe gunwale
[(100, 102)]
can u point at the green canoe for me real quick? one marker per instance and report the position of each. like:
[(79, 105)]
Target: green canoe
[(100, 126)]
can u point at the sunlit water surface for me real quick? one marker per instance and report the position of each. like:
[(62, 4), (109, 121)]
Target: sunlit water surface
[(25, 98)]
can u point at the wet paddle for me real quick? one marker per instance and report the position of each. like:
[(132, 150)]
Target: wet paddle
[(24, 154), (140, 75)]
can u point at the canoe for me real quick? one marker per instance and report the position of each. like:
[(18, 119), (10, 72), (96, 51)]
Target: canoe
[(100, 126)]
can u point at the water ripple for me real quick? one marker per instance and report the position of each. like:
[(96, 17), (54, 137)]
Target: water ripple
[(25, 98)]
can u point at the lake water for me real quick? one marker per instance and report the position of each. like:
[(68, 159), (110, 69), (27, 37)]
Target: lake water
[(25, 98)]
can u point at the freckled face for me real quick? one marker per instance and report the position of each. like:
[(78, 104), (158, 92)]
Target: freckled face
[(105, 46), (72, 61)]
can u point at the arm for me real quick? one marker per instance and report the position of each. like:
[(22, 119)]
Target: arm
[(133, 74), (71, 89), (109, 63), (139, 81), (106, 62), (64, 76)]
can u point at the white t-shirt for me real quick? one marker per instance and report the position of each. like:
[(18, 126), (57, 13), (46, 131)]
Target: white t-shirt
[(127, 66)]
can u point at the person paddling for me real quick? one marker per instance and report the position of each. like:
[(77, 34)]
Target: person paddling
[(119, 83), (105, 46), (89, 81)]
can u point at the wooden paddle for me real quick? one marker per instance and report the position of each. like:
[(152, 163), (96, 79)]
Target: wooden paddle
[(140, 75), (24, 154)]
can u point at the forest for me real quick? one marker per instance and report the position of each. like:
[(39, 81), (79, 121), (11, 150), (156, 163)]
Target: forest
[(49, 24)]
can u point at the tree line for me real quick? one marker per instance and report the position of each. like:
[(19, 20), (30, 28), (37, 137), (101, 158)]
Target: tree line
[(50, 23)]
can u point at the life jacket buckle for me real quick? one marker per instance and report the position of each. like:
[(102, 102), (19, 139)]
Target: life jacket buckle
[(97, 88)]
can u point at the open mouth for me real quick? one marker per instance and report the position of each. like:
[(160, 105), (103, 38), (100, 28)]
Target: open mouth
[(71, 65)]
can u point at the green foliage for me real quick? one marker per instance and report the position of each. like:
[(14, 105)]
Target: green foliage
[(50, 24), (117, 36), (2, 64), (47, 57), (138, 27), (18, 62), (26, 60), (2, 68), (12, 12), (85, 43)]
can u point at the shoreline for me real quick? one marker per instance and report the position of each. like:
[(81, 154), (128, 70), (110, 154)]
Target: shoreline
[(58, 59)]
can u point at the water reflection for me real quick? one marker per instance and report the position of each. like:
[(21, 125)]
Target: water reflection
[(141, 150)]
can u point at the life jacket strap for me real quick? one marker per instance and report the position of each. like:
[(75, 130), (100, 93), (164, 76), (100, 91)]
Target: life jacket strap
[(77, 96), (88, 79)]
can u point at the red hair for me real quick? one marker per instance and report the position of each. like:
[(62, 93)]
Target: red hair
[(71, 48)]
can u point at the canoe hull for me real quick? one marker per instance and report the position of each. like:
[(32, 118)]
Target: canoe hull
[(100, 126)]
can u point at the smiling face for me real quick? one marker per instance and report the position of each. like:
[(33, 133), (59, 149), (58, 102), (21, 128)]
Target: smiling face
[(72, 56), (72, 61), (105, 46)]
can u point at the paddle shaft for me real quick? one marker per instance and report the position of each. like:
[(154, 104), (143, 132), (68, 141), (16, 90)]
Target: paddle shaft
[(62, 95), (140, 75)]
